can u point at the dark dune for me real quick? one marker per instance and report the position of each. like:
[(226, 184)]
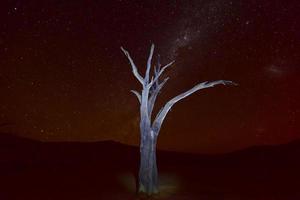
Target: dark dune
[(107, 170)]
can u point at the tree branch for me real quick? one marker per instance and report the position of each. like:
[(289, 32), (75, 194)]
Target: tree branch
[(163, 112), (160, 73), (149, 64), (156, 70), (134, 68), (137, 95), (154, 95)]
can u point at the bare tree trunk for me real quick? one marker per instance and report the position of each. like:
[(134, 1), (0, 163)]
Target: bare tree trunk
[(148, 176)]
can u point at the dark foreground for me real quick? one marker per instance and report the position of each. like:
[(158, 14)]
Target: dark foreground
[(31, 170)]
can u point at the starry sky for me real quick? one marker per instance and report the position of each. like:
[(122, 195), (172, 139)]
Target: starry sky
[(64, 78)]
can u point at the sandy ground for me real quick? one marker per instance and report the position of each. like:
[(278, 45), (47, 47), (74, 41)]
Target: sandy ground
[(84, 172)]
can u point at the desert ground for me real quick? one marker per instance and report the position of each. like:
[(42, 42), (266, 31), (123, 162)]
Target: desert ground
[(33, 170)]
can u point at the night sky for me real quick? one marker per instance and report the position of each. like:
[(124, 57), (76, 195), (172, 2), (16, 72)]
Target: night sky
[(63, 76)]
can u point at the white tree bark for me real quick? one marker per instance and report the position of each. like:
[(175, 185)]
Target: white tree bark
[(149, 131), (164, 111)]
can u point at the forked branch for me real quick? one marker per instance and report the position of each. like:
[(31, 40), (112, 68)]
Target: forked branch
[(154, 95), (160, 73)]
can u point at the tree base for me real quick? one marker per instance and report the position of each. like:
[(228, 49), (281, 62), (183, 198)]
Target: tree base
[(143, 192)]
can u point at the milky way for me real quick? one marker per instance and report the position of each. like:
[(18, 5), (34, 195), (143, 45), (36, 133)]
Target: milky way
[(199, 21)]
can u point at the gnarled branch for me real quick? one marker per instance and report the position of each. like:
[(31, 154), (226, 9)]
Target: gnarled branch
[(164, 110)]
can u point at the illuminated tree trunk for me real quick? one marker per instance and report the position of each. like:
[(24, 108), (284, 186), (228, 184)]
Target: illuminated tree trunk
[(148, 176), (149, 130)]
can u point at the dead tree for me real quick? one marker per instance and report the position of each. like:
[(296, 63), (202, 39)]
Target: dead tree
[(149, 129)]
